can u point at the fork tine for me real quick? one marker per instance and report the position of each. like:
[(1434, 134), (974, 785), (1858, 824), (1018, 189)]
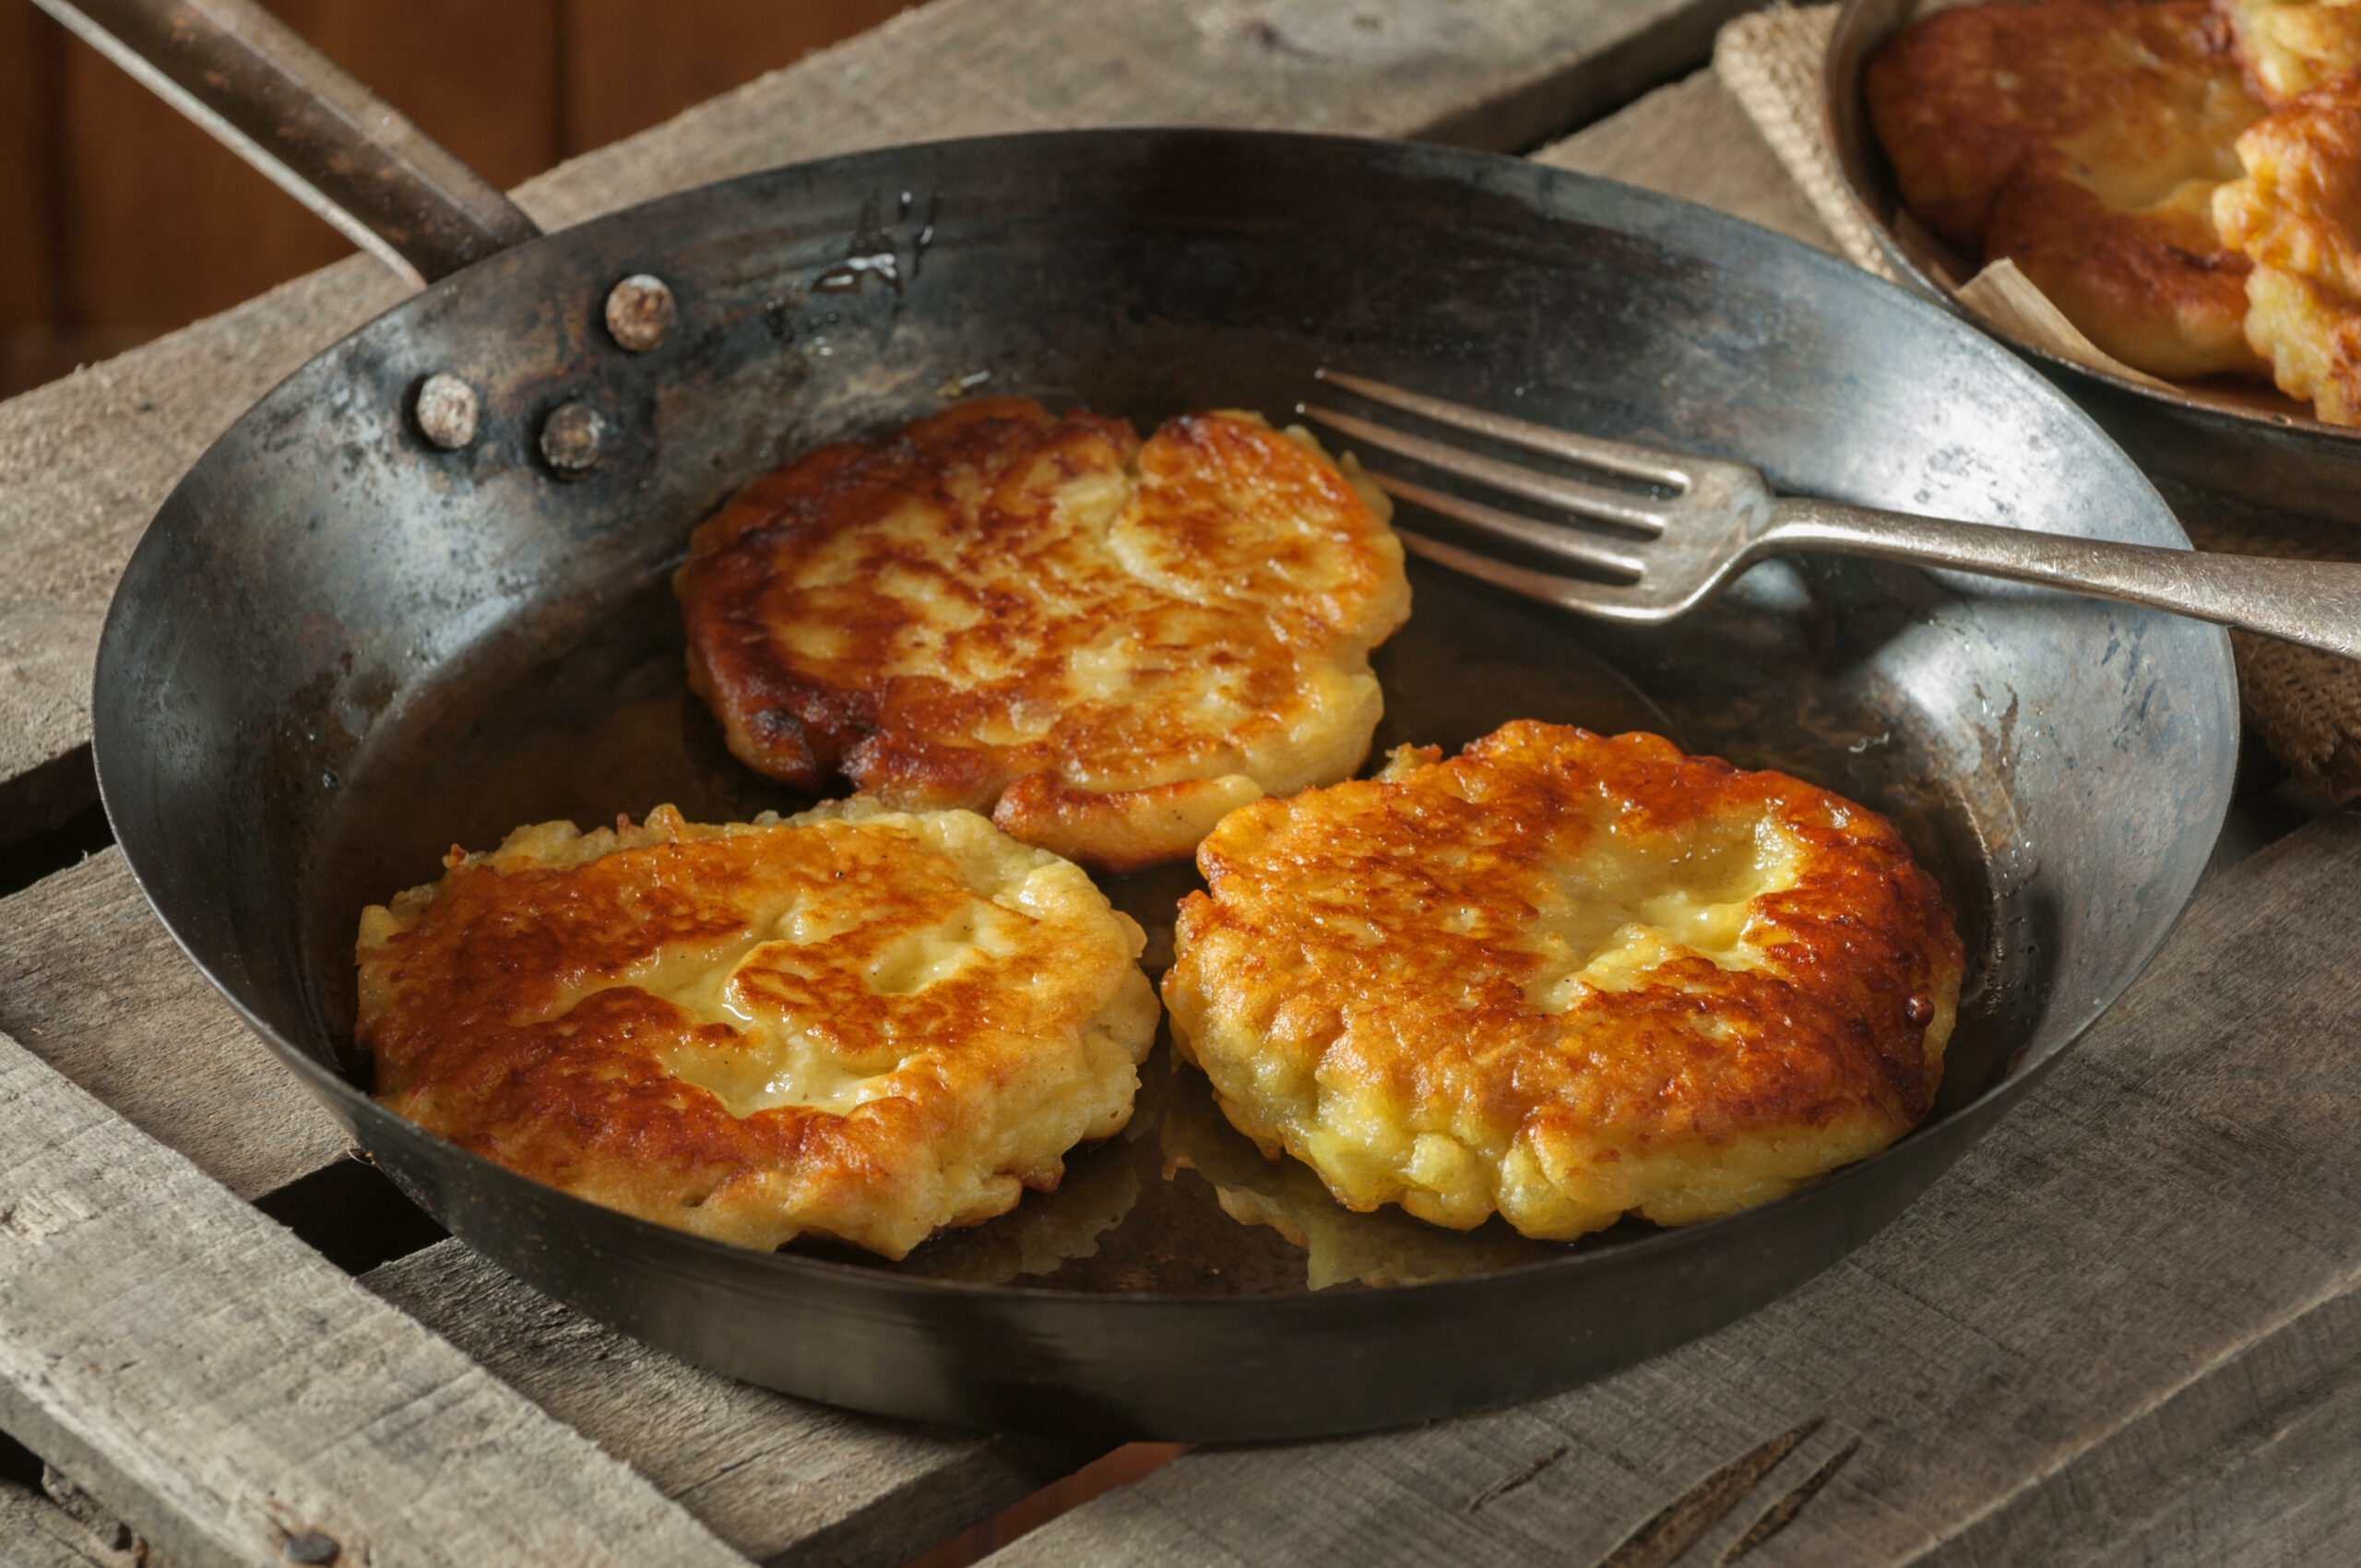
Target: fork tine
[(1610, 602), (1615, 456), (1590, 500), (1554, 539)]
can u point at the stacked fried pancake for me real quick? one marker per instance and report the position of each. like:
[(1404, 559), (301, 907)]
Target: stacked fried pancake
[(2178, 176), (1105, 642), (2083, 140), (2297, 214), (855, 1022), (1565, 979)]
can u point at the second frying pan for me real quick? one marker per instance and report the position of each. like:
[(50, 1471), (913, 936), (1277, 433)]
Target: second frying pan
[(351, 638), (2218, 449)]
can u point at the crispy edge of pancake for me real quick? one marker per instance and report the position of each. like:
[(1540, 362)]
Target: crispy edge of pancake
[(2120, 85), (800, 730), (2157, 288), (592, 1098), (2291, 46), (2298, 215), (2093, 171), (1356, 986)]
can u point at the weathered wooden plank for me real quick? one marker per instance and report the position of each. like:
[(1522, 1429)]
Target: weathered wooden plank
[(2135, 1283), (776, 1478), (91, 983), (222, 1389), (37, 1533), (85, 461), (2257, 1462), (1692, 141)]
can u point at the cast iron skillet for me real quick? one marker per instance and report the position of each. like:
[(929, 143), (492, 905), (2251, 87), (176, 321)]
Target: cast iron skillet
[(341, 648), (2225, 449)]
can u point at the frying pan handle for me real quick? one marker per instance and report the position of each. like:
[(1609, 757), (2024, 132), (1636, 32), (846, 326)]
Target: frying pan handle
[(290, 110)]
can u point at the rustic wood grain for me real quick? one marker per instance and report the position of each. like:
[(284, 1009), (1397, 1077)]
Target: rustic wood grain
[(220, 1386), (778, 1479), (2125, 1329), (85, 461), (37, 1533), (91, 983)]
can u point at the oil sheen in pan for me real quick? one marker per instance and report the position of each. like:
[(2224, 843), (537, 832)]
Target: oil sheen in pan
[(1165, 1206)]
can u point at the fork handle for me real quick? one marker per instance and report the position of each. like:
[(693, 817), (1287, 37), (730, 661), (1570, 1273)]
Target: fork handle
[(2316, 603)]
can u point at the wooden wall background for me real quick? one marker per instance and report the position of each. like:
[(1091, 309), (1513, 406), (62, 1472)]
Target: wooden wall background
[(119, 221)]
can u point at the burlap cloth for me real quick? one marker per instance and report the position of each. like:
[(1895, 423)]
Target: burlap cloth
[(2304, 706)]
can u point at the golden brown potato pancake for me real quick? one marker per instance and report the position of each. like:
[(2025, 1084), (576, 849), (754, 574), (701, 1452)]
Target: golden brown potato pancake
[(1565, 977), (855, 1022), (2290, 46), (2297, 214), (1105, 644), (2082, 139)]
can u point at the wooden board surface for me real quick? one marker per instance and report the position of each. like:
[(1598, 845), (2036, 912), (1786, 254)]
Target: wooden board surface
[(2124, 1329), (221, 1387), (778, 1479), (85, 462), (92, 984), (37, 1533)]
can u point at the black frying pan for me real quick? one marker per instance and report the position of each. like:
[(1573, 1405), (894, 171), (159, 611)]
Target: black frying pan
[(342, 646)]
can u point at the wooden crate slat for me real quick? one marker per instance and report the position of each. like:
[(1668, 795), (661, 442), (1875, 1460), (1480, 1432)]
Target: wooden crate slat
[(222, 1386), (2256, 1461), (2131, 1285), (37, 1533), (778, 1479), (92, 984), (84, 462)]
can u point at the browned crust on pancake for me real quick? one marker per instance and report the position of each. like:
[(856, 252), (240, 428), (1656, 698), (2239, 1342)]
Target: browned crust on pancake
[(2298, 207), (2297, 214), (1961, 99), (2082, 139), (2289, 46), (1358, 974), (2156, 289), (513, 1009), (1245, 558)]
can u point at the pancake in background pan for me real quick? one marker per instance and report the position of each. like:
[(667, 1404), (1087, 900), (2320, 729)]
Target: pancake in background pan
[(1105, 644), (2083, 140), (1565, 977), (2297, 214), (855, 1022), (2291, 46)]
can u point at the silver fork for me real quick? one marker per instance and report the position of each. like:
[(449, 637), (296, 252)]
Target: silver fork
[(1722, 517)]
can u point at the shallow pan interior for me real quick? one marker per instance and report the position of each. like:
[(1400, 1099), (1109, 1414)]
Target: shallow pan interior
[(339, 650)]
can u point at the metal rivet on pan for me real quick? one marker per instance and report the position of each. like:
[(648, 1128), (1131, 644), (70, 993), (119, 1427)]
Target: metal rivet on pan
[(445, 410), (640, 312), (312, 1547), (571, 438)]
